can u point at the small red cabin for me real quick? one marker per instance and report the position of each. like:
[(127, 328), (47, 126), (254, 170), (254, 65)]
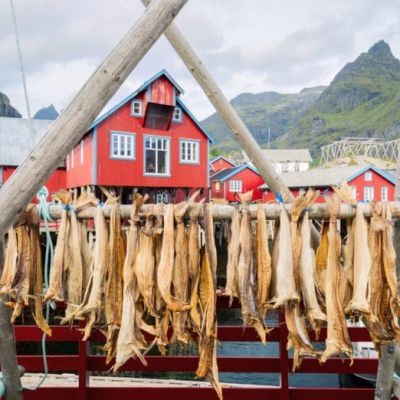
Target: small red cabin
[(219, 163), (17, 138), (149, 142), (368, 182), (226, 183)]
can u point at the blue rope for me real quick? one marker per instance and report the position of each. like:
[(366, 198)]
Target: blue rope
[(44, 212), (279, 197)]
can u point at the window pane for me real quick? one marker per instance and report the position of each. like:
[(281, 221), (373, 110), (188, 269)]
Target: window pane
[(183, 151), (162, 164), (122, 145), (147, 143), (115, 145), (151, 161), (153, 143)]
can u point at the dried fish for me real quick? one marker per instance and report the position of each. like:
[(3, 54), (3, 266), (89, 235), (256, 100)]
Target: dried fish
[(337, 341), (232, 279), (263, 259), (246, 272), (285, 283), (166, 264), (207, 367), (114, 284), (307, 273), (130, 340), (56, 289)]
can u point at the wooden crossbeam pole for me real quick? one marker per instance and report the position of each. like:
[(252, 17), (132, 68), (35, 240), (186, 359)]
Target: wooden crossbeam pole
[(74, 122), (224, 212)]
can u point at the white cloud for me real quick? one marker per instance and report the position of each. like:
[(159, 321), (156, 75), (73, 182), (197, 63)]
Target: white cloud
[(257, 45)]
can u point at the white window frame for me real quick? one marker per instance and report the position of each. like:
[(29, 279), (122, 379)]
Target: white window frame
[(120, 143), (186, 147), (235, 186), (177, 116), (82, 151), (384, 193), (162, 198), (369, 193), (167, 158), (368, 176), (218, 186), (139, 103)]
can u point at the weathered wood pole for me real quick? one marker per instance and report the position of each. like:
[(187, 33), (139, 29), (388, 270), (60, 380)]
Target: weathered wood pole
[(225, 109), (8, 357), (72, 124)]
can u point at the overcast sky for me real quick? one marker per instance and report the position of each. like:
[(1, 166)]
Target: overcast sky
[(253, 45)]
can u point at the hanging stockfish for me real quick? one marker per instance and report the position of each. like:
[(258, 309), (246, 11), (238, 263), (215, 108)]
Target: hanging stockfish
[(346, 194), (302, 253), (10, 262), (207, 367), (263, 262), (301, 202), (114, 281), (312, 308), (180, 274), (166, 264), (232, 279), (321, 260), (337, 341), (361, 267), (92, 307), (274, 262), (145, 264), (392, 309), (247, 272), (36, 276), (56, 290), (285, 283), (194, 262), (77, 268), (23, 278), (379, 330), (130, 339)]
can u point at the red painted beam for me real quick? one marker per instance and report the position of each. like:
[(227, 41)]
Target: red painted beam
[(155, 393), (189, 363), (200, 393), (55, 363), (30, 333)]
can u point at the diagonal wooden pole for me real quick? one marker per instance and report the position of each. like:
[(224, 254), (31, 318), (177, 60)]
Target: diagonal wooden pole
[(225, 109), (61, 138), (228, 113), (72, 124)]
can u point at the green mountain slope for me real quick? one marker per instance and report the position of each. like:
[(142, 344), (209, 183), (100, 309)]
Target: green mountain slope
[(263, 112), (363, 100)]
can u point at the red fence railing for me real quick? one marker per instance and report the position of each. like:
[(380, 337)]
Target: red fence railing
[(83, 364)]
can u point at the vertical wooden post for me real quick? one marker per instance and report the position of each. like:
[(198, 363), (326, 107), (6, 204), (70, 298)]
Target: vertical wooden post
[(384, 381), (72, 124), (8, 356)]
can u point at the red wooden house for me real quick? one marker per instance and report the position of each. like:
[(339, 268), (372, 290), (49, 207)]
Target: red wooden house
[(226, 183), (149, 142), (368, 182), (17, 137), (220, 162)]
